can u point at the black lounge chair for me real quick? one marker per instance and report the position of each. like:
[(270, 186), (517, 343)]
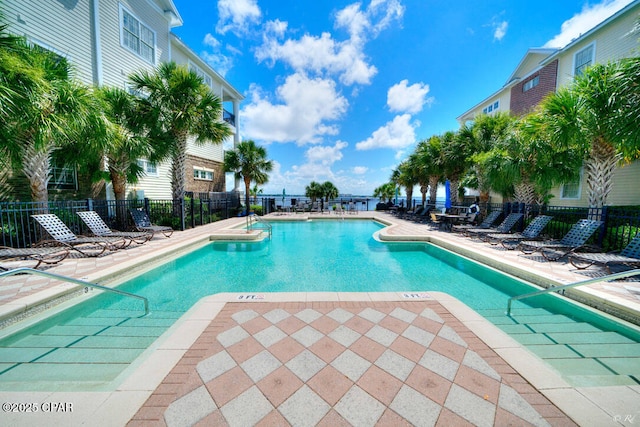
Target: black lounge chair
[(485, 224), (531, 232), (99, 228), (629, 256), (505, 227), (63, 236), (41, 255), (143, 224), (553, 250)]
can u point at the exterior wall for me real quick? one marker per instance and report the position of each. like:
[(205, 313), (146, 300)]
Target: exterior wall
[(201, 185), (119, 62), (63, 27), (612, 42), (522, 102), (154, 187), (503, 97)]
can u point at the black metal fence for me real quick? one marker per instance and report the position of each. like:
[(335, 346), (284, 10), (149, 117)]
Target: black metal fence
[(19, 230)]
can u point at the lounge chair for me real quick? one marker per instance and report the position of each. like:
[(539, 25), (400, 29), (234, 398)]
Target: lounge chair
[(629, 256), (531, 232), (63, 236), (99, 228), (143, 223), (505, 226), (485, 224), (553, 250), (46, 255)]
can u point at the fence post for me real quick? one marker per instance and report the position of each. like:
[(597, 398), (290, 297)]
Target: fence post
[(90, 204), (605, 219), (182, 218), (193, 214)]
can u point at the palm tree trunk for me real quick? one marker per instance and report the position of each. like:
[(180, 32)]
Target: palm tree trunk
[(599, 168), (433, 188), (525, 192), (454, 184), (423, 191), (36, 167), (247, 186), (410, 197)]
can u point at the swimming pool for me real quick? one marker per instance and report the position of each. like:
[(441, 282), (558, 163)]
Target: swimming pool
[(88, 346)]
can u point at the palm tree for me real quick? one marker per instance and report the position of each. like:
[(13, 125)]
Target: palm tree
[(255, 192), (455, 158), (177, 101), (405, 176), (428, 169), (329, 191), (385, 191), (314, 191), (598, 115), (50, 109), (249, 162)]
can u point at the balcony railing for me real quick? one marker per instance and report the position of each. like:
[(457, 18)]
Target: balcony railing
[(229, 117)]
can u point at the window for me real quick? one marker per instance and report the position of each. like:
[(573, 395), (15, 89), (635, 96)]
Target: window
[(491, 107), (571, 190), (199, 71), (582, 60), (148, 168), (62, 177), (137, 37), (202, 173), (531, 84)]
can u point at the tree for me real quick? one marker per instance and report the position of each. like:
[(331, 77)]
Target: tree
[(255, 192), (455, 158), (329, 191), (405, 176), (248, 162), (178, 104), (428, 169), (314, 191), (598, 115), (49, 109), (385, 191)]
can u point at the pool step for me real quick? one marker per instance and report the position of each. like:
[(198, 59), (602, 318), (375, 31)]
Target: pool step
[(66, 352), (587, 355)]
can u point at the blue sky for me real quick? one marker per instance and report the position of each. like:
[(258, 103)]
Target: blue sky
[(342, 91)]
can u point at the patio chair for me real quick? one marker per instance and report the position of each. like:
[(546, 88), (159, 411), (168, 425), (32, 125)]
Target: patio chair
[(63, 236), (505, 227), (485, 224), (510, 241), (143, 223), (99, 228), (553, 250), (352, 208), (629, 256), (46, 255)]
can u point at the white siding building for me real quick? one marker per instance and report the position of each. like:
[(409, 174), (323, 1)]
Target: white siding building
[(105, 42)]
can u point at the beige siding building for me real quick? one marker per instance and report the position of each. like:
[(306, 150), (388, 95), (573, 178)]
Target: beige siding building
[(542, 71), (108, 40)]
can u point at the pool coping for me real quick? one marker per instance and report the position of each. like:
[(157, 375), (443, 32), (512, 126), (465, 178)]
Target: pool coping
[(586, 405)]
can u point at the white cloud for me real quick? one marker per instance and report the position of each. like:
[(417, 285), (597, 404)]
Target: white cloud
[(397, 134), (214, 57), (303, 107), (359, 170), (407, 99), (326, 56), (237, 15), (585, 20), (326, 155), (500, 30)]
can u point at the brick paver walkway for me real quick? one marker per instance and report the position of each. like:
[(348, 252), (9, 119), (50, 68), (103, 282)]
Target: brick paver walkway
[(343, 363)]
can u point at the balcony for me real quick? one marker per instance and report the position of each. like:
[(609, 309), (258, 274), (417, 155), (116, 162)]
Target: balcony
[(229, 117)]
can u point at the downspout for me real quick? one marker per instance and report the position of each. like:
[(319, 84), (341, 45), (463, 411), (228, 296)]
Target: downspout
[(97, 45)]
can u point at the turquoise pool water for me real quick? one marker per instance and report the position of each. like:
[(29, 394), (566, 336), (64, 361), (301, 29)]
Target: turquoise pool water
[(88, 346)]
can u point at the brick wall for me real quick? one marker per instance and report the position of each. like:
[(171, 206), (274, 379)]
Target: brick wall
[(204, 186), (523, 102)]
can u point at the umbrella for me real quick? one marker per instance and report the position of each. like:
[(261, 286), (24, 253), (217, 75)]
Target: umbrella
[(447, 194), (284, 194)]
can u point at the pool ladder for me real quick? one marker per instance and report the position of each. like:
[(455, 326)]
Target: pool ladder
[(254, 221), (25, 270), (608, 278)]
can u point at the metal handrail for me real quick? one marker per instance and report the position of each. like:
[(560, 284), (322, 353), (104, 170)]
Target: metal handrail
[(608, 278), (77, 282), (256, 218)]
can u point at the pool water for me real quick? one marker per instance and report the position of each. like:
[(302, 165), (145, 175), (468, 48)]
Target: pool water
[(89, 346)]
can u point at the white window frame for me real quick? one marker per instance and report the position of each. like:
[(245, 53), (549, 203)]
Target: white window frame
[(578, 192), (591, 46), (530, 84), (205, 171), (141, 25), (491, 107), (206, 78), (149, 169)]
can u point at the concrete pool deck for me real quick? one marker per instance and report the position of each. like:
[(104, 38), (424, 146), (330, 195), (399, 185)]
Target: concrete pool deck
[(464, 366)]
